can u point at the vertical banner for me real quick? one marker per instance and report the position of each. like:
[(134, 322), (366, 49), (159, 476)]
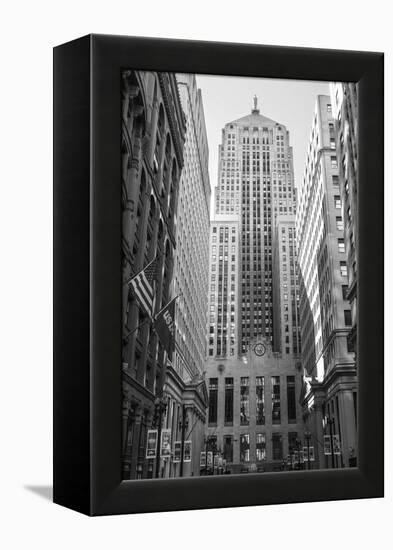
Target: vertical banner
[(202, 462), (215, 461), (187, 451), (209, 459), (177, 451), (327, 447), (151, 447), (336, 445), (165, 443), (164, 325), (312, 455)]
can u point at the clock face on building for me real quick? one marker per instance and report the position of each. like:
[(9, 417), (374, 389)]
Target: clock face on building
[(259, 349)]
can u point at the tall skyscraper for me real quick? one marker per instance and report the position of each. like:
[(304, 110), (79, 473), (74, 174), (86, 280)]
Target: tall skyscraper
[(192, 236), (166, 213), (286, 329), (185, 387), (345, 113), (224, 285), (255, 181), (153, 131), (329, 393), (252, 368)]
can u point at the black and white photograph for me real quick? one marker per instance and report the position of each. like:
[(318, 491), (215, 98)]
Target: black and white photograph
[(239, 277)]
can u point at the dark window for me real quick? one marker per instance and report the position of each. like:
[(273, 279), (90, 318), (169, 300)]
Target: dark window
[(277, 446), (292, 436), (228, 448), (347, 317), (245, 448), (291, 399), (228, 400), (260, 399), (344, 289), (276, 405), (213, 395), (261, 447), (244, 401)]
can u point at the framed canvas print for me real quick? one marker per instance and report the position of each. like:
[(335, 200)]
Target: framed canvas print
[(218, 275)]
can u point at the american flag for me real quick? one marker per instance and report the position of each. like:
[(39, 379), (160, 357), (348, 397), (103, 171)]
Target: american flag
[(142, 285)]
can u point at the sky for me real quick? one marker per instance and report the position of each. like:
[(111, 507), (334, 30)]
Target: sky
[(289, 102)]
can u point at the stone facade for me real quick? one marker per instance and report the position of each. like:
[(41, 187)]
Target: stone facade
[(330, 383), (254, 413), (166, 194)]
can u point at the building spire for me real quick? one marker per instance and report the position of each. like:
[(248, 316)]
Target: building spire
[(255, 110)]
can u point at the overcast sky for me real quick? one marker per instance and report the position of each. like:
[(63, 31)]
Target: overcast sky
[(290, 102)]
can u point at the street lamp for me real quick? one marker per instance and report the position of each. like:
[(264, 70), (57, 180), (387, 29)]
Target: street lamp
[(307, 435), (330, 423), (298, 446), (210, 442), (160, 405), (183, 425)]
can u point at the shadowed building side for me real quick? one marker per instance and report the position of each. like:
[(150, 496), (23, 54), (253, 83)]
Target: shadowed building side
[(153, 129)]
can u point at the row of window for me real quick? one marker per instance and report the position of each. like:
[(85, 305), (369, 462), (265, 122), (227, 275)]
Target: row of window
[(264, 450), (245, 410)]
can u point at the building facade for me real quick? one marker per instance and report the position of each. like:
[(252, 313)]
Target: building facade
[(166, 194), (185, 386), (153, 130), (256, 182), (345, 113), (254, 418), (223, 337), (286, 328), (329, 391)]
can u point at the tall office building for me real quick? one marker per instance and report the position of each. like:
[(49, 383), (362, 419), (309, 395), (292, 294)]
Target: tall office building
[(345, 113), (192, 236), (286, 329), (256, 182), (329, 392), (166, 203), (252, 369), (153, 131), (185, 387), (224, 284)]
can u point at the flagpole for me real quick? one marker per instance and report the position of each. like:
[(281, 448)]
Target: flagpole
[(137, 327)]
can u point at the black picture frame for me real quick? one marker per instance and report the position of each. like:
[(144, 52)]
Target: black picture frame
[(87, 275)]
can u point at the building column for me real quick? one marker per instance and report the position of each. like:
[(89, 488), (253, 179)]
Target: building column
[(135, 442), (318, 430), (125, 416), (348, 426), (128, 435)]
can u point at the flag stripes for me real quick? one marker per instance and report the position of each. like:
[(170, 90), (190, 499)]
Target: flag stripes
[(142, 285)]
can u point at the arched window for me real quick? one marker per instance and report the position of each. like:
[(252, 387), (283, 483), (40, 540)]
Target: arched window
[(159, 138), (172, 191), (167, 273), (167, 163), (139, 211), (150, 229), (160, 234)]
